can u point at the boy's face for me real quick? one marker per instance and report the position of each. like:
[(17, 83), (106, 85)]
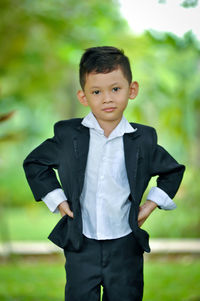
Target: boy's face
[(107, 95)]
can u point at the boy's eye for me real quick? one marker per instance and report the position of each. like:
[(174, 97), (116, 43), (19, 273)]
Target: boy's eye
[(115, 89), (96, 92)]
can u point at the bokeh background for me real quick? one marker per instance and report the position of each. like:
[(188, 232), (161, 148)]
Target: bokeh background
[(41, 43)]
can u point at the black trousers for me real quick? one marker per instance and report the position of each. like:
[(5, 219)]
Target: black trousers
[(116, 264)]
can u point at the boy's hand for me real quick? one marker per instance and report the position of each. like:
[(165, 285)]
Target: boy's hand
[(144, 211), (64, 209)]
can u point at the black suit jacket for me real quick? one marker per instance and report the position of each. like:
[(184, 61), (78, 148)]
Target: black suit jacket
[(67, 152)]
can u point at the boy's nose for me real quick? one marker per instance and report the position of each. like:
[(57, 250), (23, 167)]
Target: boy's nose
[(107, 98)]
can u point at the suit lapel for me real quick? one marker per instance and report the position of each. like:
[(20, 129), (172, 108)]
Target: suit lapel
[(131, 153), (81, 148)]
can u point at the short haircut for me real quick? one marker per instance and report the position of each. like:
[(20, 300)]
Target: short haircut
[(103, 59)]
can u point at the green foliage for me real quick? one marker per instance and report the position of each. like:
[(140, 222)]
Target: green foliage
[(30, 223), (185, 3), (190, 3), (169, 100), (41, 47)]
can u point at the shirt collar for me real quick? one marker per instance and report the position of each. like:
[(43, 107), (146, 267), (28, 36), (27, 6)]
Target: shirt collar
[(122, 128)]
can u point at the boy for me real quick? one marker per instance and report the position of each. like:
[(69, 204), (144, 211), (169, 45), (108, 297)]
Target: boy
[(104, 165)]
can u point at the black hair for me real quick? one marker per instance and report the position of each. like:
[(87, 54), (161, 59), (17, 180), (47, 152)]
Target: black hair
[(103, 59)]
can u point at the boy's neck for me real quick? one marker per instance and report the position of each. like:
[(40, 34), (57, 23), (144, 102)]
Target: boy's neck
[(108, 126)]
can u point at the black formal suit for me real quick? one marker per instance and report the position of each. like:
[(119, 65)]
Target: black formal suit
[(67, 152)]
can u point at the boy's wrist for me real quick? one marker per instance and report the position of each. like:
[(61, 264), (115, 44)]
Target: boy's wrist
[(145, 210), (151, 204)]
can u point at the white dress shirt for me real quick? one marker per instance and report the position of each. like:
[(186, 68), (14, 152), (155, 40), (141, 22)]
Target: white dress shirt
[(104, 199)]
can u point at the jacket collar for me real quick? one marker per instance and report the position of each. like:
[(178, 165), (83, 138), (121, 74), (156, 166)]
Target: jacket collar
[(122, 128)]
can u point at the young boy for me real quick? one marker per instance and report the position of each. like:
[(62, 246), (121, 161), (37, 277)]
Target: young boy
[(104, 165)]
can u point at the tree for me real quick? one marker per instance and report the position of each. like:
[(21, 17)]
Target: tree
[(41, 39)]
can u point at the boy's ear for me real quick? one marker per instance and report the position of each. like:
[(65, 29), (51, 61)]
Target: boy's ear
[(82, 98), (134, 88)]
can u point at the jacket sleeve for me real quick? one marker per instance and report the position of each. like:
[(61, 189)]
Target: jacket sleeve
[(168, 170), (39, 167)]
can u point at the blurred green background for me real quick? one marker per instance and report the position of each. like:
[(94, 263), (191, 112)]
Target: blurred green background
[(41, 43)]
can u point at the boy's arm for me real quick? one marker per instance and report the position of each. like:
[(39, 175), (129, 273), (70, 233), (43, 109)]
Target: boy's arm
[(39, 167), (168, 170), (170, 174)]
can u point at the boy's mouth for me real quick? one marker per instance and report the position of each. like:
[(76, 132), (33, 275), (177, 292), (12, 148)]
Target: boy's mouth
[(109, 109)]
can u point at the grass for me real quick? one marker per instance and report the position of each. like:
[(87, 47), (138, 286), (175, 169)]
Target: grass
[(172, 281), (35, 279), (32, 281)]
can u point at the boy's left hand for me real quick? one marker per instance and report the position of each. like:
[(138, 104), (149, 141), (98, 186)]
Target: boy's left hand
[(145, 210)]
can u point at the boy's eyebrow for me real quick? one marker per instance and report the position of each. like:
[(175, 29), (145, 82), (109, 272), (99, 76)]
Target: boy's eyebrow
[(114, 84), (96, 87)]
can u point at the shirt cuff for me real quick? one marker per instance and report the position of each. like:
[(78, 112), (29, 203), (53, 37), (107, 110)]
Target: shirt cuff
[(53, 199), (161, 198)]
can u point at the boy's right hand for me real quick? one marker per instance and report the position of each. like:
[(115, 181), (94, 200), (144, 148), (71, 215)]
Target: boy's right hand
[(64, 209)]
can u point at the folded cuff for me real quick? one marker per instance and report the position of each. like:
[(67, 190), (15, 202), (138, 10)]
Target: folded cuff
[(161, 198), (53, 199)]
